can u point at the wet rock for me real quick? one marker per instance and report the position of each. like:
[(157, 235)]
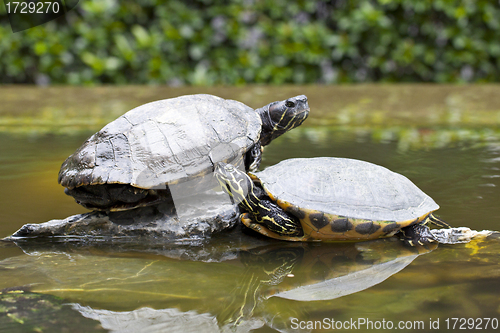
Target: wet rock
[(193, 218), (459, 235)]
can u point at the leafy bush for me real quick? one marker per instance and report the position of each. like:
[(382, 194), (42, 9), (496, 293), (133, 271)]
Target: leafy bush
[(206, 42)]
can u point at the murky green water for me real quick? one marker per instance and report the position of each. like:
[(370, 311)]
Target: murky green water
[(445, 139)]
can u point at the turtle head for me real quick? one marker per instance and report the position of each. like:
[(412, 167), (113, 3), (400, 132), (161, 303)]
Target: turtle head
[(280, 117), (233, 181)]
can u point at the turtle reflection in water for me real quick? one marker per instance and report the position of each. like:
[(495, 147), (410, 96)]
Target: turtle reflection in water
[(301, 272), (331, 199), (237, 288), (133, 161)]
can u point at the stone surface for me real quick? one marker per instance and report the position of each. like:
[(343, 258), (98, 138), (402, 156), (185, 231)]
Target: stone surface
[(192, 218), (459, 235)]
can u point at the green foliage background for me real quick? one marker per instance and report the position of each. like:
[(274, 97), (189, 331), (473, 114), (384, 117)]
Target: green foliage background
[(206, 42)]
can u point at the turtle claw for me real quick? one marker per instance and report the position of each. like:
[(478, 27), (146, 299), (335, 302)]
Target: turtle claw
[(254, 157)]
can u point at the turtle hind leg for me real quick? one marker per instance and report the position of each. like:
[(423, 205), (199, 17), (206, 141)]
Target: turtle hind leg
[(254, 157), (416, 234), (436, 221)]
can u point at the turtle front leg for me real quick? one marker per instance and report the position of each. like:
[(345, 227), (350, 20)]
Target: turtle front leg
[(271, 220), (259, 228), (254, 157), (416, 234), (246, 219)]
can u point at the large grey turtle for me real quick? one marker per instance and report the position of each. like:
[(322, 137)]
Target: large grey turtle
[(132, 161), (329, 198)]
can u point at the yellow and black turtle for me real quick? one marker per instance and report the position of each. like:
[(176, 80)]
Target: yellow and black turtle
[(327, 198), (134, 160)]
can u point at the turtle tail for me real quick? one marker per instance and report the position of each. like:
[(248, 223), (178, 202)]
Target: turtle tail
[(436, 221)]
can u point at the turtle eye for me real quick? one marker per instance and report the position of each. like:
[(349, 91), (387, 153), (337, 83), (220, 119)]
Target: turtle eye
[(289, 104), (229, 168)]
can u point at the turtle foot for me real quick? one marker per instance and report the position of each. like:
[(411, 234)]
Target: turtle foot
[(254, 157), (417, 234)]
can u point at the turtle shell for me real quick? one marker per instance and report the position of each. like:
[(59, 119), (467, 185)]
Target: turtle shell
[(164, 142), (340, 198)]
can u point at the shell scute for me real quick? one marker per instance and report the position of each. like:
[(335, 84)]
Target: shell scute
[(341, 225), (318, 220), (391, 227), (367, 228), (296, 211)]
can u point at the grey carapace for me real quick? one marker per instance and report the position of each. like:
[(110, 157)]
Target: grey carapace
[(134, 160)]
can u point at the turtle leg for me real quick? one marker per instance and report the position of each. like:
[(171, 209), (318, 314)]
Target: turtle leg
[(259, 228), (91, 197), (277, 220), (254, 157), (269, 219), (436, 221), (246, 219), (416, 234)]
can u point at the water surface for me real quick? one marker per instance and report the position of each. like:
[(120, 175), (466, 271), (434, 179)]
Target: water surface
[(445, 139)]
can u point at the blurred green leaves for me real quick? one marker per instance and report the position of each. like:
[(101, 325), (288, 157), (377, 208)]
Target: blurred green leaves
[(204, 42)]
